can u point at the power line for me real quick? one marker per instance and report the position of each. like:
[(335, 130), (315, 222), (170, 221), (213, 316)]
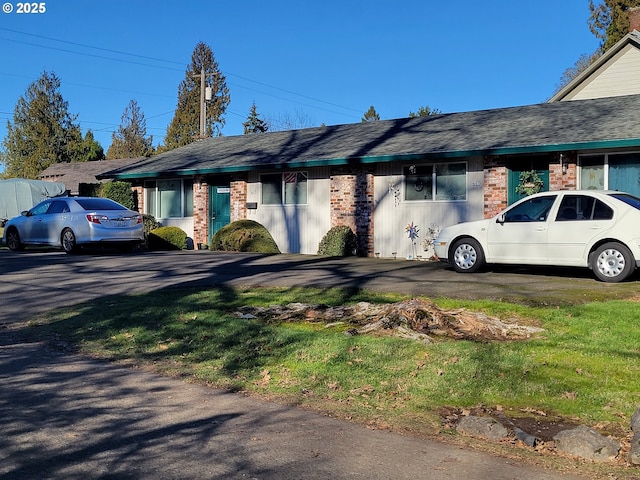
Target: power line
[(290, 92)]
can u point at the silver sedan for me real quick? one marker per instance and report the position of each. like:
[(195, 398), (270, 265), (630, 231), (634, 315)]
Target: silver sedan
[(70, 222)]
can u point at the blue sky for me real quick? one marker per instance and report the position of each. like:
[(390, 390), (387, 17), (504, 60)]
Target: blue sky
[(326, 62)]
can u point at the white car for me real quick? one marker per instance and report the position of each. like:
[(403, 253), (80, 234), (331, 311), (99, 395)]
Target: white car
[(584, 228), (71, 222)]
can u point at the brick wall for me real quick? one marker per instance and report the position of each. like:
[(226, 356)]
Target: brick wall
[(563, 180), (495, 186), (200, 211), (138, 191), (351, 204), (238, 199)]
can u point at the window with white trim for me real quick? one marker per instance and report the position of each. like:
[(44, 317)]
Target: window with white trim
[(171, 198), (289, 188), (611, 171), (441, 182)]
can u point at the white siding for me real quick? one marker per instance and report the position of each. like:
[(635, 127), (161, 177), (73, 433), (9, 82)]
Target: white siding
[(393, 213), (295, 228), (185, 223), (619, 76)]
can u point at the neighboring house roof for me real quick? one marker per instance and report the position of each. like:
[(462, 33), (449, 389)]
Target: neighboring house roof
[(548, 127), (615, 73), (74, 174)]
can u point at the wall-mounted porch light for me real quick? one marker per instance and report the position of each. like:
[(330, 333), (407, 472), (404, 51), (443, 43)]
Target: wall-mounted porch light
[(564, 161)]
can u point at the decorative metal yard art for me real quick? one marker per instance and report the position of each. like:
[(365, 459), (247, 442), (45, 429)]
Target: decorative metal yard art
[(412, 230)]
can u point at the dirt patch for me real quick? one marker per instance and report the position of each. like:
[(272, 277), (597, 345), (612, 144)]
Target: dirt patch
[(416, 318)]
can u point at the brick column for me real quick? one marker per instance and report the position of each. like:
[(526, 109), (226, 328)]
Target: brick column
[(351, 204), (200, 211), (563, 178), (238, 198), (138, 191), (495, 186)]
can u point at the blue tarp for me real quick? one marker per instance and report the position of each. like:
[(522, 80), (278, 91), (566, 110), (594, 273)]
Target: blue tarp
[(20, 194)]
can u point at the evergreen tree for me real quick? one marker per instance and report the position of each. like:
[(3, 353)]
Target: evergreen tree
[(43, 131), (131, 141), (609, 20), (84, 149), (370, 115), (254, 123), (425, 111), (91, 148), (185, 125)]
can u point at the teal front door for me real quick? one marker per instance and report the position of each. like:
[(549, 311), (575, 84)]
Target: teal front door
[(514, 181), (219, 208)]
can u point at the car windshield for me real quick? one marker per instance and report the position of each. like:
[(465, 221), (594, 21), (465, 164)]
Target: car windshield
[(98, 204), (628, 199)]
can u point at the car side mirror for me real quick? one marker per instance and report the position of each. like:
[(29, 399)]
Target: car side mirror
[(25, 213), (501, 218)]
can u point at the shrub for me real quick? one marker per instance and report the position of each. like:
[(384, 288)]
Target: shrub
[(167, 238), (120, 192), (339, 242), (244, 236), (150, 223)]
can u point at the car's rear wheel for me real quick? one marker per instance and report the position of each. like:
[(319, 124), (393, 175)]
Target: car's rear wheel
[(13, 239), (68, 240), (467, 256), (612, 262)]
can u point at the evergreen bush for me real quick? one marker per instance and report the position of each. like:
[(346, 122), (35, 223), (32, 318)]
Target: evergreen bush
[(244, 236), (120, 192), (167, 238), (339, 242)]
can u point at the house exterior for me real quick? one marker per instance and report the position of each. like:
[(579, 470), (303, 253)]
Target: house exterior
[(615, 73), (79, 178), (381, 176)]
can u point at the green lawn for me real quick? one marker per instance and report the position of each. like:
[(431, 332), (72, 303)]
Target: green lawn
[(584, 367)]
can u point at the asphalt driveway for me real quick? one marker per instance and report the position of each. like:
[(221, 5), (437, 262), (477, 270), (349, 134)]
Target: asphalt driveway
[(66, 416)]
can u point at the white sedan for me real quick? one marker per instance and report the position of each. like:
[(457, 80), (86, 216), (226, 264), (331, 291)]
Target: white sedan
[(71, 222), (585, 228)]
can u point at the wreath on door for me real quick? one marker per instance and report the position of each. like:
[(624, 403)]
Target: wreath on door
[(530, 183)]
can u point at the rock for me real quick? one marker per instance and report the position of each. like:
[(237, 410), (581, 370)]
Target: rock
[(634, 452), (635, 421), (587, 443), (526, 438), (485, 427)]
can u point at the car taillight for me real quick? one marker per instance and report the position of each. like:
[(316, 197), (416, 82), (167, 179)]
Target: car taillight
[(138, 219), (96, 218)]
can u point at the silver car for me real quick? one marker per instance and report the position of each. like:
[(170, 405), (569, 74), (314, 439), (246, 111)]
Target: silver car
[(70, 222)]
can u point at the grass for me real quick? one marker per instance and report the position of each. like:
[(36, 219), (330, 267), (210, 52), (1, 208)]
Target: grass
[(584, 367)]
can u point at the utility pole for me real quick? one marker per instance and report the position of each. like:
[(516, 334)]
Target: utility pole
[(205, 96), (203, 105)]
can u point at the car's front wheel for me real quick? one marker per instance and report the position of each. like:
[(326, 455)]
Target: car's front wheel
[(68, 241), (467, 256), (13, 239), (612, 262)]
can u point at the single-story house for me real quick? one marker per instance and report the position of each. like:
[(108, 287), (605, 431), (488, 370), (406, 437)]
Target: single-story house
[(382, 176), (378, 177)]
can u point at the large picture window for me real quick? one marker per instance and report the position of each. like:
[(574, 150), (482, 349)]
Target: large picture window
[(446, 182), (169, 198), (289, 188), (614, 171)]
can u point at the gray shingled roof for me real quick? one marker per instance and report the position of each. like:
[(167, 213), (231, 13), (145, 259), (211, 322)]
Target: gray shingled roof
[(547, 127), (74, 174)]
